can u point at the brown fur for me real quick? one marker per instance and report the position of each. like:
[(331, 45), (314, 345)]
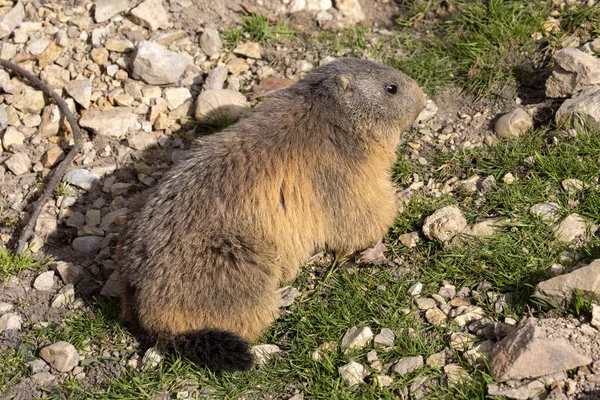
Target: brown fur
[(308, 169)]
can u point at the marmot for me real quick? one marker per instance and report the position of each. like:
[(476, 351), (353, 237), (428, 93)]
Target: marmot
[(201, 258)]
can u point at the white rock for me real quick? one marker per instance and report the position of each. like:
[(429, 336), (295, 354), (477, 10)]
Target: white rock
[(428, 112), (547, 211), (456, 375), (265, 352), (415, 289), (62, 356), (248, 49), (353, 373), (114, 122), (410, 240), (560, 288), (44, 281), (176, 96), (10, 322), (574, 70), (211, 103), (12, 137), (12, 19), (151, 358), (356, 338), (86, 244), (112, 287), (106, 9), (156, 65), (216, 78), (81, 91), (583, 109), (596, 316), (571, 228), (29, 100), (514, 123), (210, 42), (444, 224), (18, 164), (351, 10), (385, 338), (408, 364), (151, 14), (572, 186), (43, 378), (142, 141), (82, 178)]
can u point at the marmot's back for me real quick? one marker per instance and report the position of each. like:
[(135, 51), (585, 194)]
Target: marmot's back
[(202, 256)]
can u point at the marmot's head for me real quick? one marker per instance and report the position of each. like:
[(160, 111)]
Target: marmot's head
[(365, 96)]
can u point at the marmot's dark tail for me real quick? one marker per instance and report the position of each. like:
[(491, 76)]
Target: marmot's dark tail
[(213, 348)]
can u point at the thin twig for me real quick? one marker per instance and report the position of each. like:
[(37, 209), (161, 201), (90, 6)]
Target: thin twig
[(62, 167)]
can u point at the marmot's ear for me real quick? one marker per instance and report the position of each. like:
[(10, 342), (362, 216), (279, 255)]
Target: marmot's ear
[(345, 83)]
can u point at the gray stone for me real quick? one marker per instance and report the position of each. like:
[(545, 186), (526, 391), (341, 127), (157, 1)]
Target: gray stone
[(573, 71), (3, 118), (65, 296), (151, 14), (435, 316), (210, 42), (43, 378), (287, 295), (514, 123), (384, 339), (415, 289), (583, 109), (572, 186), (519, 354), (12, 19), (410, 240), (44, 281), (356, 338), (36, 46), (82, 178), (87, 244), (547, 211), (142, 141), (18, 164), (10, 322), (351, 10), (29, 100), (265, 352), (456, 375), (408, 364), (109, 219), (112, 287), (428, 112), (444, 224), (473, 313), (151, 358), (213, 103), (156, 65), (353, 373), (424, 303), (37, 365), (106, 9), (571, 228), (436, 360), (479, 353), (595, 316), (560, 288), (114, 122), (176, 96), (216, 78), (81, 91), (5, 307), (62, 356), (69, 273)]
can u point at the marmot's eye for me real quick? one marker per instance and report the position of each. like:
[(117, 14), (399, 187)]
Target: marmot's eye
[(393, 89)]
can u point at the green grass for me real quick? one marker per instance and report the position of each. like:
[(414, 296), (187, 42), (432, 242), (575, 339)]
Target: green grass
[(11, 264), (12, 368), (258, 28)]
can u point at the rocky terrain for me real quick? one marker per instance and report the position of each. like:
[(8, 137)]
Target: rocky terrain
[(146, 77)]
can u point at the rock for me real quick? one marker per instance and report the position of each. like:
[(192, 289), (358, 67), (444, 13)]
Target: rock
[(81, 91), (479, 353), (82, 178), (114, 122), (237, 66), (216, 78), (269, 86), (351, 10), (547, 211), (560, 288), (29, 100), (151, 14), (447, 291), (65, 296), (425, 303), (210, 42), (409, 364), (581, 110), (436, 360), (18, 164), (44, 281), (384, 339), (570, 228), (142, 141), (177, 96), (444, 224), (10, 322), (69, 273), (87, 244), (62, 356), (12, 137), (374, 255), (415, 289), (53, 156), (356, 338), (156, 65), (353, 373), (384, 381), (509, 178), (265, 352), (473, 313), (287, 295), (112, 217), (428, 112), (409, 240), (151, 358), (12, 19), (118, 46), (573, 71), (514, 123), (248, 49), (36, 46), (595, 316), (572, 186), (456, 375), (435, 316), (517, 356), (216, 103), (5, 307), (106, 9), (43, 378), (112, 287)]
